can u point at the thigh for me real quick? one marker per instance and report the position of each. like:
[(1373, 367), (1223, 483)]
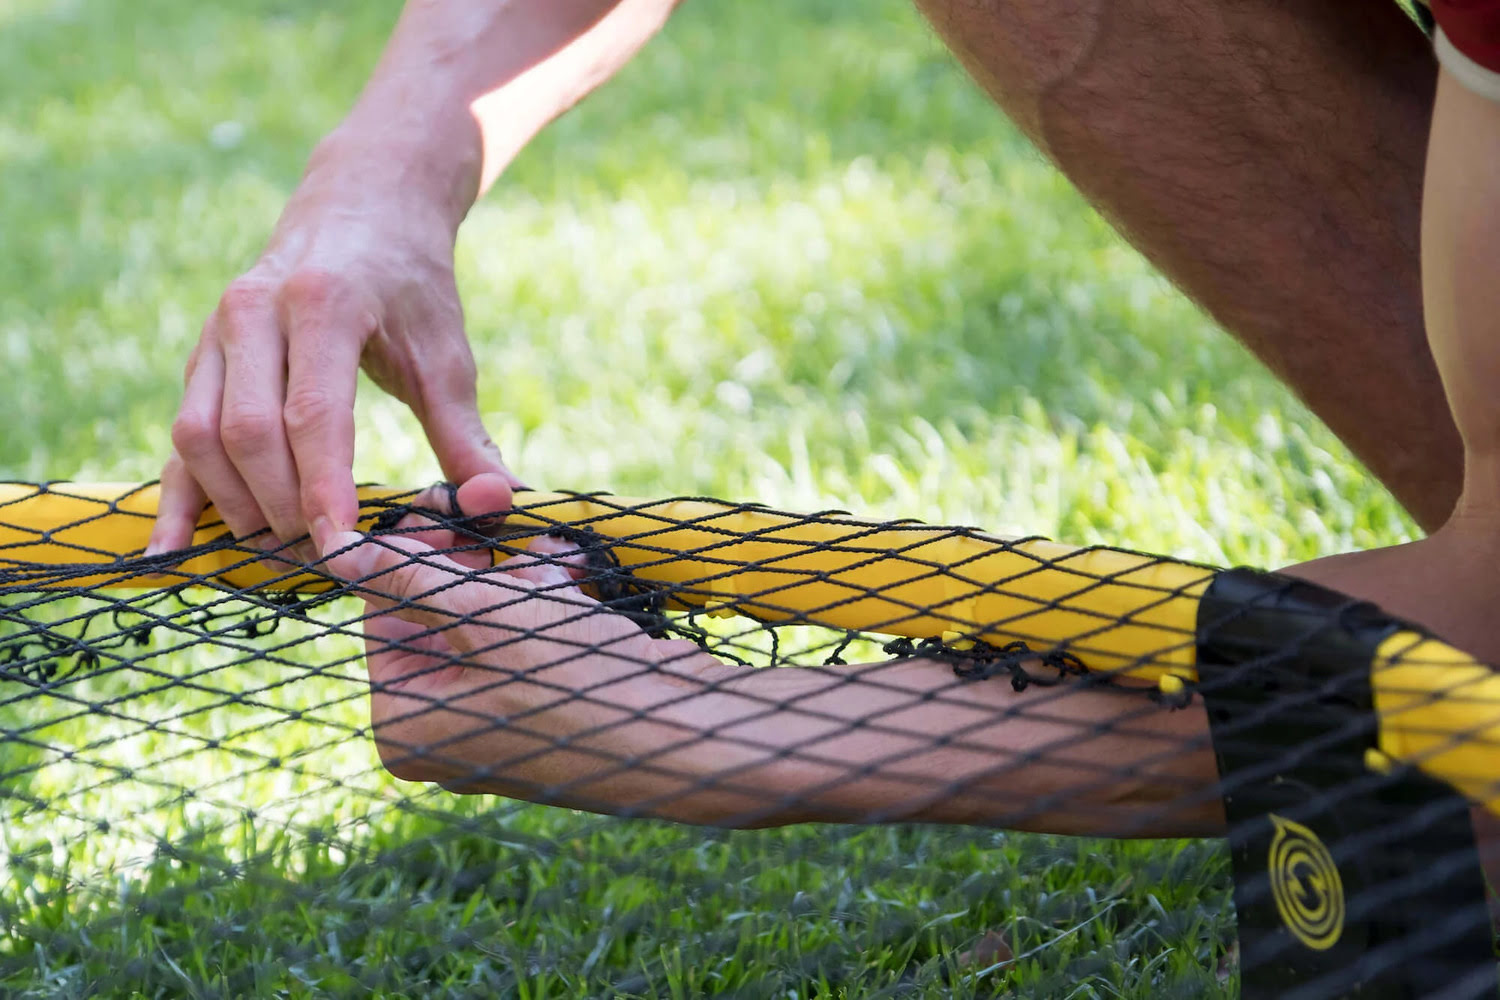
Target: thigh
[(1267, 155)]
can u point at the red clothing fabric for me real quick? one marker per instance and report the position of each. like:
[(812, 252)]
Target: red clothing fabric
[(1473, 26)]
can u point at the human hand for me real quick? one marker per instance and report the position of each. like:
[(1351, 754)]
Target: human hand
[(509, 679), (359, 273), (512, 680)]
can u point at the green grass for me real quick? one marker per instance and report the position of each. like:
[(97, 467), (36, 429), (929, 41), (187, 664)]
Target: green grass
[(792, 255)]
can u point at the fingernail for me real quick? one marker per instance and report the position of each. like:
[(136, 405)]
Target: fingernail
[(341, 541), (153, 550), (322, 534), (488, 524)]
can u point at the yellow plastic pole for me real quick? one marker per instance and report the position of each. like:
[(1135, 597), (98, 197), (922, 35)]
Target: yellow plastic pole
[(1439, 710), (1116, 610), (1122, 611)]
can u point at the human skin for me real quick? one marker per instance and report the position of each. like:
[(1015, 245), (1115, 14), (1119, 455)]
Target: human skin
[(1267, 157), (1264, 154), (514, 682), (1449, 580), (359, 270)]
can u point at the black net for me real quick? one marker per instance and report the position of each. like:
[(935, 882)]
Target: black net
[(602, 747)]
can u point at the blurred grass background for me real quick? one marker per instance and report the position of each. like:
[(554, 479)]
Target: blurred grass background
[(790, 255)]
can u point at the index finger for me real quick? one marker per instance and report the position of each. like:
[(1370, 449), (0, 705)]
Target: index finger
[(323, 355)]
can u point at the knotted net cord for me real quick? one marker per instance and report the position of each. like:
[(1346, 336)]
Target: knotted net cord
[(168, 730)]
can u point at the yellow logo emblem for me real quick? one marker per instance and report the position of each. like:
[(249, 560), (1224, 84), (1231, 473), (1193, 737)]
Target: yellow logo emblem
[(1306, 886)]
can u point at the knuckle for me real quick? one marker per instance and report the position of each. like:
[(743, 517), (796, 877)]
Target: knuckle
[(310, 288), (306, 411), (368, 324), (245, 429), (194, 433), (244, 294), (320, 494)]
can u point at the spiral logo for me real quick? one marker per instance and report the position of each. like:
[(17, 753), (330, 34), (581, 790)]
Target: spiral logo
[(1306, 885)]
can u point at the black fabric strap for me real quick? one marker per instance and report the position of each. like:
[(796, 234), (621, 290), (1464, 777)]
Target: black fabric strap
[(1349, 882)]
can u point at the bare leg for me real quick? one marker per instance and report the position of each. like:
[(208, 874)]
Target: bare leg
[(1450, 581), (1267, 156)]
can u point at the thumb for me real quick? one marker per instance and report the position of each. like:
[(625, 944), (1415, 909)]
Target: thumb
[(464, 449)]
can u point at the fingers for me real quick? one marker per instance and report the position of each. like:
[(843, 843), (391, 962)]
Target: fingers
[(548, 562), (450, 417), (419, 584), (266, 426), (177, 512), (196, 438), (408, 577), (483, 496), (250, 425), (423, 527), (322, 377)]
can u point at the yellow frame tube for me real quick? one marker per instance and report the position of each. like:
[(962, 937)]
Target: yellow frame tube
[(1115, 610), (1439, 710), (1136, 614)]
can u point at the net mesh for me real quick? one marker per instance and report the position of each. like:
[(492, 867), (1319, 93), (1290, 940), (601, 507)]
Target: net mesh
[(597, 746)]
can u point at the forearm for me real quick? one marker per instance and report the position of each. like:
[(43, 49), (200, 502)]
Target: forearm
[(462, 87), (701, 742), (908, 741)]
